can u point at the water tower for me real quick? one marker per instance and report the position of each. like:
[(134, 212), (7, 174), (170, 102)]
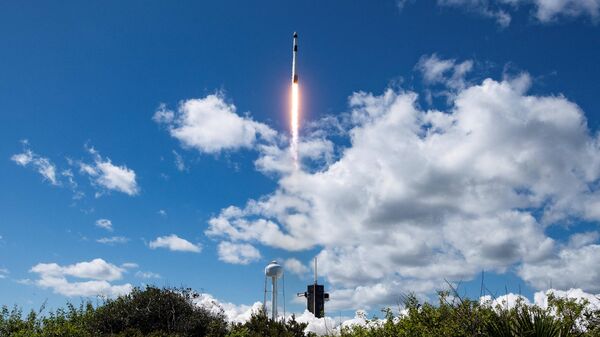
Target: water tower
[(273, 271)]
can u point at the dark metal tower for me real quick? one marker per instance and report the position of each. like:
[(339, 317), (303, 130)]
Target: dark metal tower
[(315, 297)]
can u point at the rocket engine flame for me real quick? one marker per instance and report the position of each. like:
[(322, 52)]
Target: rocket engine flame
[(294, 122)]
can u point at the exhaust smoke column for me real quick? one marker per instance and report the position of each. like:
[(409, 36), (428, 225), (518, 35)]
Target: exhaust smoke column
[(295, 104)]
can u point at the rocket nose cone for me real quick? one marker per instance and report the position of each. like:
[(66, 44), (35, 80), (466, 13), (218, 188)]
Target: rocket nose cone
[(295, 34)]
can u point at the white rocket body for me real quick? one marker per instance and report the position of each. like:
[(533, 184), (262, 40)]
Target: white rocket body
[(294, 53)]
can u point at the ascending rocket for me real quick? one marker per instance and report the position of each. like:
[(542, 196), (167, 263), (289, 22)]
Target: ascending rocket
[(294, 52)]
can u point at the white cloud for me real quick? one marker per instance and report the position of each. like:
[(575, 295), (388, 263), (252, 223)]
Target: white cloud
[(162, 212), (444, 71), (3, 273), (233, 312), (544, 10), (507, 301), (146, 274), (98, 272), (113, 240), (540, 298), (97, 269), (41, 164), (108, 176), (24, 158), (550, 10), (174, 243), (237, 253), (593, 300), (105, 224), (211, 125), (571, 267), (422, 196), (579, 240), (163, 115), (295, 266)]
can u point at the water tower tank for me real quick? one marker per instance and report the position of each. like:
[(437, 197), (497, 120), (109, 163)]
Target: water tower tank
[(273, 269)]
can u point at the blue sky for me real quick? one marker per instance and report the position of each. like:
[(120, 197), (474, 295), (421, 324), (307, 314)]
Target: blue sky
[(81, 84)]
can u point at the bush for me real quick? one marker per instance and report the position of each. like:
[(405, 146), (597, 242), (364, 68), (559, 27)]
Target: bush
[(160, 312), (157, 311)]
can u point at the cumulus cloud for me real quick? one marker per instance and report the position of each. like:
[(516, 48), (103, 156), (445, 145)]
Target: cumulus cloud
[(570, 267), (237, 253), (234, 313), (211, 125), (105, 224), (540, 298), (419, 196), (98, 273), (593, 300), (108, 176), (174, 243), (3, 273), (41, 164), (295, 266), (507, 301)]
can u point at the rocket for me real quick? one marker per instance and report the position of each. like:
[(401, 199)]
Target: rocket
[(294, 53)]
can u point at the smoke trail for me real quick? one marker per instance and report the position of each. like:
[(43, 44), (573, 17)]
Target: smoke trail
[(294, 122)]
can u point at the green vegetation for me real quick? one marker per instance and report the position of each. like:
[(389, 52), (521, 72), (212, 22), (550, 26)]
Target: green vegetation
[(170, 312)]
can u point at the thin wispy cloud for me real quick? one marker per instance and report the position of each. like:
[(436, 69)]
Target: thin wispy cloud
[(113, 240), (41, 164)]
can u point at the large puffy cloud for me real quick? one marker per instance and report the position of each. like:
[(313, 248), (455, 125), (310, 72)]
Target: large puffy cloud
[(570, 267), (212, 125), (422, 196), (98, 272)]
